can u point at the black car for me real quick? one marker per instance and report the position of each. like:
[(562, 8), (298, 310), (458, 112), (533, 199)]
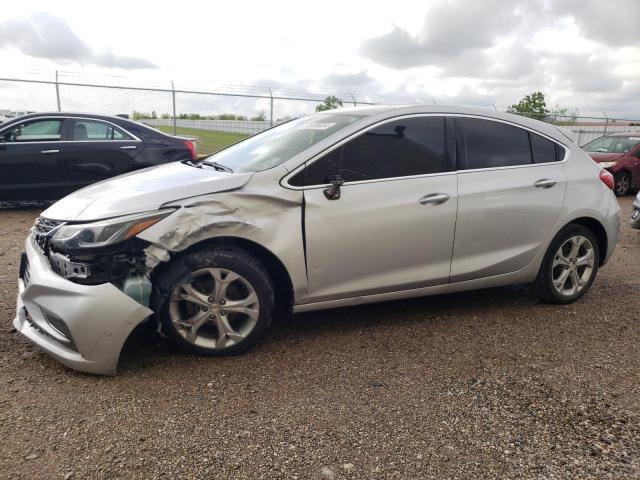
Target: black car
[(45, 156)]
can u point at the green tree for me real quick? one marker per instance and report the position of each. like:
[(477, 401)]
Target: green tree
[(329, 103), (532, 105), (259, 118)]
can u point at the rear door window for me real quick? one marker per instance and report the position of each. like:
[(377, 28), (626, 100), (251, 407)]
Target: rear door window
[(400, 148), (491, 144), (92, 130)]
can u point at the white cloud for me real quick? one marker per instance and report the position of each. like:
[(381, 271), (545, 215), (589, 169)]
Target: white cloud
[(583, 54)]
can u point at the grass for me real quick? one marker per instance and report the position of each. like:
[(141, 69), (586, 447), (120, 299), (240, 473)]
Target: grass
[(208, 142)]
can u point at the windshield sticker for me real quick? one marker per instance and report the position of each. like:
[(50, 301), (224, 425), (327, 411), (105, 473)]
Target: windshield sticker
[(319, 126)]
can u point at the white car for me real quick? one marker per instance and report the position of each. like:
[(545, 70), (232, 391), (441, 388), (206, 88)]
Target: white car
[(339, 208)]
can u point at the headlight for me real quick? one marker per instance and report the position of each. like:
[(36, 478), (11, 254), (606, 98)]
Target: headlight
[(608, 164), (105, 232)]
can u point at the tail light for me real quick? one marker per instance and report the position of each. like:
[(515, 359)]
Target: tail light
[(607, 178), (191, 145)]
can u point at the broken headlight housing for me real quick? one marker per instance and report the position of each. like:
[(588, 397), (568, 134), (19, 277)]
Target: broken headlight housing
[(105, 232)]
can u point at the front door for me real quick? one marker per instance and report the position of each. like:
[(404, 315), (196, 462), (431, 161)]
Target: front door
[(393, 224), (29, 160)]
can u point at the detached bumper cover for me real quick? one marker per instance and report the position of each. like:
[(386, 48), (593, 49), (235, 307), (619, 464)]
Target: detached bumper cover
[(81, 326)]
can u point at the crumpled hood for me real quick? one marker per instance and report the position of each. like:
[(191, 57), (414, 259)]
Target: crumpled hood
[(142, 191), (605, 157)]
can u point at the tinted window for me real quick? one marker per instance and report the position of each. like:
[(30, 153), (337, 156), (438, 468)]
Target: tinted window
[(492, 144), (543, 150), (411, 146), (34, 131), (95, 130)]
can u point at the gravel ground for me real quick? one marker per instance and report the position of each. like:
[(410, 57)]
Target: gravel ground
[(484, 384)]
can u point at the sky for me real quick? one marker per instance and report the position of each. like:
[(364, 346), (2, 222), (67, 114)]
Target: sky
[(584, 55)]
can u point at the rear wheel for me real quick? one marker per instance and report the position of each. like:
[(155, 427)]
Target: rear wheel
[(569, 266), (622, 184), (215, 302)]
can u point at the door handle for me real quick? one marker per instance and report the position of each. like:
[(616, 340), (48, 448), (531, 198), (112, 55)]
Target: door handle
[(545, 183), (434, 199), (128, 147), (47, 152)]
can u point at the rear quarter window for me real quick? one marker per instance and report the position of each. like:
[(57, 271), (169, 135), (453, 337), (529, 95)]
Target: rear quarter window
[(544, 150)]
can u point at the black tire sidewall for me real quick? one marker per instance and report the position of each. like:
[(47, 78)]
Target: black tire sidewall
[(233, 259), (545, 276)]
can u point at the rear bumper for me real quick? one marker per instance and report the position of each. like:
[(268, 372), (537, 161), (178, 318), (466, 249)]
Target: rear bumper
[(612, 228), (81, 326)]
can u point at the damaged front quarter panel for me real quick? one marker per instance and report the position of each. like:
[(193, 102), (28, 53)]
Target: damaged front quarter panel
[(261, 211)]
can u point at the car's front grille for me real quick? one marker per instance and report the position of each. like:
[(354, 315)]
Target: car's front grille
[(42, 230)]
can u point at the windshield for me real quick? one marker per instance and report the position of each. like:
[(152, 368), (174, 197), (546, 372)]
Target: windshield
[(612, 144), (279, 144)]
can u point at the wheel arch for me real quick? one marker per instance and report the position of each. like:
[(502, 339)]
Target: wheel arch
[(282, 283), (598, 230)]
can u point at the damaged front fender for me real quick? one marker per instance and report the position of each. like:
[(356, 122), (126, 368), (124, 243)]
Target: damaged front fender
[(268, 216)]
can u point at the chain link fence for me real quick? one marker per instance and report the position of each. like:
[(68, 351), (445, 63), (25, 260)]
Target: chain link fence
[(237, 109)]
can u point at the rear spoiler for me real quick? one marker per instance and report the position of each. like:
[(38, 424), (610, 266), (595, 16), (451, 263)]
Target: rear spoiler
[(570, 134)]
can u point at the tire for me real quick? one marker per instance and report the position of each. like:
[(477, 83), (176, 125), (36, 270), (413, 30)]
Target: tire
[(210, 291), (554, 265), (622, 185)]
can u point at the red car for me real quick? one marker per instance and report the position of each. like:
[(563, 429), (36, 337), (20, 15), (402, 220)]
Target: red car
[(620, 154)]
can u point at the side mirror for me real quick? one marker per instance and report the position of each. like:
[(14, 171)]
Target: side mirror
[(332, 192)]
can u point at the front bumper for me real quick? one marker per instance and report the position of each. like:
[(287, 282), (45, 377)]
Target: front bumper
[(81, 326)]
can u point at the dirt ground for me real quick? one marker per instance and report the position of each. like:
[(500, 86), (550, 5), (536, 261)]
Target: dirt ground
[(487, 384)]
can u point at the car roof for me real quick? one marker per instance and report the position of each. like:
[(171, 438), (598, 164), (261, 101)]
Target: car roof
[(120, 121), (382, 112), (71, 114)]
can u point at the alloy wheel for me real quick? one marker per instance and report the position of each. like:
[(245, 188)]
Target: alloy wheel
[(573, 265), (216, 308)]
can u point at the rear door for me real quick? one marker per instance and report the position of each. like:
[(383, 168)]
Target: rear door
[(511, 187), (30, 153), (97, 150), (392, 226)]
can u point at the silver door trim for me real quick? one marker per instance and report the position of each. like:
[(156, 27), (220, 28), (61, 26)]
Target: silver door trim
[(62, 117), (284, 181)]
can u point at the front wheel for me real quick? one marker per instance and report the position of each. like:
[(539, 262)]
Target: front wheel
[(214, 301), (569, 266)]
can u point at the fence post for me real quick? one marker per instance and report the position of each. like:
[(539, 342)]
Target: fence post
[(271, 107), (606, 122), (355, 104), (173, 98), (58, 92)]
